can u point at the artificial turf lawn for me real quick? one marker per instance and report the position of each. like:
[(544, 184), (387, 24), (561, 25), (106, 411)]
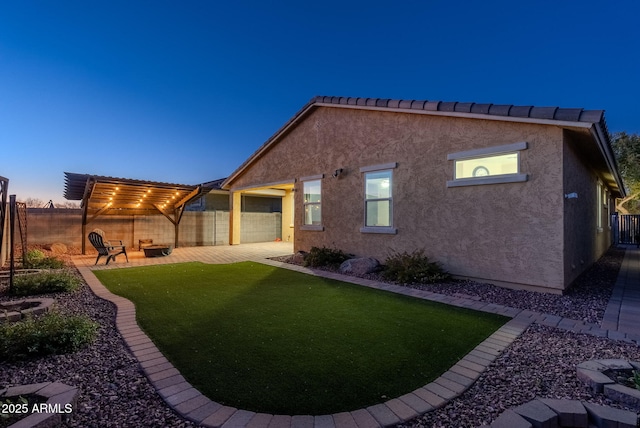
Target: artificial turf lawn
[(272, 340)]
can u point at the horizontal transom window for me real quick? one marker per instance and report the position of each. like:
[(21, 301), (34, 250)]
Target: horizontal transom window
[(489, 165)]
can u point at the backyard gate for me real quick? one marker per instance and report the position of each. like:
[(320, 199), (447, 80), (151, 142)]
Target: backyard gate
[(626, 228)]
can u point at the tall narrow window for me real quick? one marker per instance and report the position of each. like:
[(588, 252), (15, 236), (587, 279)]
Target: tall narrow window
[(378, 198), (599, 207), (312, 203), (378, 206)]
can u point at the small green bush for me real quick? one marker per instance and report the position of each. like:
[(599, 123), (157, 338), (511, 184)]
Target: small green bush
[(635, 379), (36, 259), (319, 257), (413, 268), (44, 282), (52, 333)]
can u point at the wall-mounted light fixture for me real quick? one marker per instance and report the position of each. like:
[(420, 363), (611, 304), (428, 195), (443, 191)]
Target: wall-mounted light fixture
[(337, 173), (572, 195)]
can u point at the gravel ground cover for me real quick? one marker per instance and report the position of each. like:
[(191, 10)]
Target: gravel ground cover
[(540, 363), (585, 301), (113, 390)]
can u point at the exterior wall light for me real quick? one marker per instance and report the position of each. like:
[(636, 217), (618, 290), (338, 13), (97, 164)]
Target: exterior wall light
[(572, 195)]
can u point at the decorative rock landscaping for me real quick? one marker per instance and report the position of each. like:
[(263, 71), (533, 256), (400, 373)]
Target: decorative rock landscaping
[(359, 266), (539, 363), (15, 310)]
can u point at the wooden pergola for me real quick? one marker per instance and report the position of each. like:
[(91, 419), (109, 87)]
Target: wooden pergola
[(100, 195)]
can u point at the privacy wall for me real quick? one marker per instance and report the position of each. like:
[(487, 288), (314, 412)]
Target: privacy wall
[(47, 226)]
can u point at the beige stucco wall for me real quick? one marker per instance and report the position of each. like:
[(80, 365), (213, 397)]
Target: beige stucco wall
[(502, 232), (584, 242)]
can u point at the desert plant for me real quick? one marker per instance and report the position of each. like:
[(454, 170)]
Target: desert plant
[(52, 333), (44, 282), (36, 259), (413, 268), (330, 257), (635, 379)]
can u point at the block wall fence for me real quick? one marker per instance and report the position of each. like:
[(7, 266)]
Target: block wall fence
[(48, 226)]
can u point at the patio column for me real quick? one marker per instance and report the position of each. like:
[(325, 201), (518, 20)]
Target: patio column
[(287, 216), (235, 212)]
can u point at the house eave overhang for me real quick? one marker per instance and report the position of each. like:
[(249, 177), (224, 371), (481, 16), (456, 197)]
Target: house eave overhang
[(292, 123), (601, 136)]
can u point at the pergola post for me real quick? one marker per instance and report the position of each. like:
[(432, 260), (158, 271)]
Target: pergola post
[(287, 216)]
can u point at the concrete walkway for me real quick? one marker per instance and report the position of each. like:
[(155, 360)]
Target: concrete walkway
[(220, 254), (192, 405), (623, 310)]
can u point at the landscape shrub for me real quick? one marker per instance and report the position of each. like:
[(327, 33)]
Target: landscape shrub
[(51, 333), (44, 282), (36, 259), (413, 268), (329, 257), (635, 379)]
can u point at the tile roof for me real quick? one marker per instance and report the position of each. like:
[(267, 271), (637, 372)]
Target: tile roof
[(508, 110), (547, 115), (215, 184)]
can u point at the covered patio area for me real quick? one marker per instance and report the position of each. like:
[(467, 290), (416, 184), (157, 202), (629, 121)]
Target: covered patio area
[(112, 196), (283, 190)]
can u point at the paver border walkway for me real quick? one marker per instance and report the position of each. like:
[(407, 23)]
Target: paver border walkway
[(187, 401), (623, 311)]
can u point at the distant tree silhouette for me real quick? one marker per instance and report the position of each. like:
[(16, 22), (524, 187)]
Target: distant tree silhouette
[(627, 151), (39, 203)]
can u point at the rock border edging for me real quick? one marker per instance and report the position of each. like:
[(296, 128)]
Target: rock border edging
[(45, 304), (554, 413), (592, 373)]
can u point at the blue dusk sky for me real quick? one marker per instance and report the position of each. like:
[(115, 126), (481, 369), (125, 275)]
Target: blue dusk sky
[(185, 91)]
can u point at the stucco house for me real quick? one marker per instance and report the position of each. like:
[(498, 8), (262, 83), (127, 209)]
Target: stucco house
[(513, 195)]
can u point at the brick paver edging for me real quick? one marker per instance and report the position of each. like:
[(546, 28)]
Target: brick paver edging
[(187, 401)]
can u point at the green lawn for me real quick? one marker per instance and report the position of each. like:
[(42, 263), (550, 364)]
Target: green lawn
[(272, 340)]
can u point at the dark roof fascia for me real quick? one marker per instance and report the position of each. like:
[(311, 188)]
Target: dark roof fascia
[(291, 123), (601, 135), (214, 184), (564, 117)]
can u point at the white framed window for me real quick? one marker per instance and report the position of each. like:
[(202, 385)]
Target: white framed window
[(312, 203), (599, 207), (378, 199), (607, 208), (491, 165)]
